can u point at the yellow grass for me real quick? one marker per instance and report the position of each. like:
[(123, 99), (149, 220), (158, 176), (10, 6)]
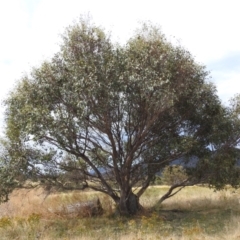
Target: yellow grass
[(194, 213)]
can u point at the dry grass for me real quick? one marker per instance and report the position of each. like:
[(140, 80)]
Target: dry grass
[(195, 213), (24, 202)]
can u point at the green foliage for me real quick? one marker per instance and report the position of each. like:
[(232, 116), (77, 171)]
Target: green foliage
[(157, 180), (174, 174), (122, 113)]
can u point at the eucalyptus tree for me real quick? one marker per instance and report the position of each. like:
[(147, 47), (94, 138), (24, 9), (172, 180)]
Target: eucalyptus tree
[(114, 114)]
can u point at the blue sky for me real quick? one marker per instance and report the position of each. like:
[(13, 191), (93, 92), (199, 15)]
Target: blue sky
[(209, 29)]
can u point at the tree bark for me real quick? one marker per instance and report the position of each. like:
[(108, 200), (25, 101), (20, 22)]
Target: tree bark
[(170, 192), (129, 204)]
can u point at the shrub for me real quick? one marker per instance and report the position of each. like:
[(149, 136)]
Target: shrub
[(173, 175)]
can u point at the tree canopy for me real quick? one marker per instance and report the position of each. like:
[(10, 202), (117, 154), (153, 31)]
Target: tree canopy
[(115, 115)]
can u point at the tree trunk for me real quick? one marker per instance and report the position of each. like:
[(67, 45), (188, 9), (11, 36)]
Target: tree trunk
[(170, 192), (128, 204)]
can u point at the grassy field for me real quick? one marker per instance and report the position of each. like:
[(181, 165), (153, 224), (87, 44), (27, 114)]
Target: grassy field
[(195, 213)]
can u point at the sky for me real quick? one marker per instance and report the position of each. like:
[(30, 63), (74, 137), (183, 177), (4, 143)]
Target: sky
[(30, 33)]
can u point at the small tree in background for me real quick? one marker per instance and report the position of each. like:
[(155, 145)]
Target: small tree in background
[(174, 174)]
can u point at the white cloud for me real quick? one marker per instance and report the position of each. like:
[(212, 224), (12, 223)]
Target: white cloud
[(229, 86)]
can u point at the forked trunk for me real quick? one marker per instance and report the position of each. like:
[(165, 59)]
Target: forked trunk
[(128, 204)]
